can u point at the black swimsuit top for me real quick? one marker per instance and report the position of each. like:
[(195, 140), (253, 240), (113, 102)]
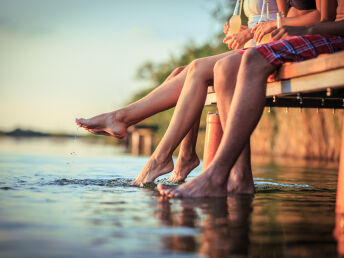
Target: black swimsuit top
[(303, 4)]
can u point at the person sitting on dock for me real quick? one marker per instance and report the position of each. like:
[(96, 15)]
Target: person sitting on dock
[(192, 80), (165, 96), (242, 110)]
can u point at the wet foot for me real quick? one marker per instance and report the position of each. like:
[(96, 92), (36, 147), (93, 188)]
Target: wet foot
[(183, 167), (205, 185), (152, 170), (241, 182), (109, 124)]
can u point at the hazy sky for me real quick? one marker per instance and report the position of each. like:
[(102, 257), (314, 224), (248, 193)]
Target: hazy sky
[(61, 59)]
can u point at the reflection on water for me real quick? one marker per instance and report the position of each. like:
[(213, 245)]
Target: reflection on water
[(223, 223), (53, 204), (339, 233)]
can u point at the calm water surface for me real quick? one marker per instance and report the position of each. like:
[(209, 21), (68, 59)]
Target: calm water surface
[(74, 199)]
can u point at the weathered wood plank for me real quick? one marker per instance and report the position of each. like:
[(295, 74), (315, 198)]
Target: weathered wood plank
[(317, 65), (314, 75), (309, 83)]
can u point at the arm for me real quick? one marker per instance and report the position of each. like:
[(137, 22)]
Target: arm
[(302, 18), (328, 12), (328, 9), (334, 28), (282, 6)]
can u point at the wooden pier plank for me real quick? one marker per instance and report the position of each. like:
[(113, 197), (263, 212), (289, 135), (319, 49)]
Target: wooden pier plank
[(309, 83), (323, 63), (313, 75)]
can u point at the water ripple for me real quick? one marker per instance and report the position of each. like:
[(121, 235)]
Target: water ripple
[(263, 187), (98, 182)]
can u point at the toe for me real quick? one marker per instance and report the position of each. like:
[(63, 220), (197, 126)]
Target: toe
[(174, 193), (169, 192), (162, 189), (135, 183), (80, 121)]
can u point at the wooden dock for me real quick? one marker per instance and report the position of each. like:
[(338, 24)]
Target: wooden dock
[(316, 83)]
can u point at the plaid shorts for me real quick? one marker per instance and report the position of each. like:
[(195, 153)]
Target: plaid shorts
[(300, 48)]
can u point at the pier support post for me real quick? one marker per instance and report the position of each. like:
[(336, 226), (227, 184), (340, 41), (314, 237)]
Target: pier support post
[(339, 230), (141, 140), (213, 135), (135, 143)]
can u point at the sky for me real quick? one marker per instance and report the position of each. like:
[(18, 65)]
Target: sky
[(61, 59)]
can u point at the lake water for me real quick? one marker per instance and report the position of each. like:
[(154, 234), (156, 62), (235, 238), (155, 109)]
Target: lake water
[(73, 199)]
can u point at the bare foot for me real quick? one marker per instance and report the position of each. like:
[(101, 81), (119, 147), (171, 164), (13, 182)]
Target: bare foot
[(152, 170), (183, 167), (207, 184), (241, 181), (109, 124)]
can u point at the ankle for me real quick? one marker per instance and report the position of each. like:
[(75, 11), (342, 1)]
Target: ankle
[(241, 175), (120, 116), (220, 177), (161, 158), (188, 155)]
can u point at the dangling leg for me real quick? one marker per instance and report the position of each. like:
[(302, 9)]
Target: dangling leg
[(161, 98), (116, 123), (245, 111), (187, 112), (240, 179), (187, 157)]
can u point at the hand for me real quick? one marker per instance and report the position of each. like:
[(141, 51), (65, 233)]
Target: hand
[(226, 28), (236, 41), (261, 29), (243, 27), (288, 31)]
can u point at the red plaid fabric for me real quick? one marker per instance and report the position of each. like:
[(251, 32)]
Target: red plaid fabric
[(300, 48)]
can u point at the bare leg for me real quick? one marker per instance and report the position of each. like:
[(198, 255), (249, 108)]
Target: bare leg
[(116, 123), (245, 112), (163, 97), (187, 157), (188, 111), (240, 179)]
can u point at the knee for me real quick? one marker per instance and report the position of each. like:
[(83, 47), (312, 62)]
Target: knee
[(178, 70), (251, 55), (228, 66), (225, 70), (221, 67), (197, 68), (254, 63)]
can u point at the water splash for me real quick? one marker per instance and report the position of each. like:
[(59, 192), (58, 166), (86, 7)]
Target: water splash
[(74, 153), (109, 182), (76, 136), (95, 182)]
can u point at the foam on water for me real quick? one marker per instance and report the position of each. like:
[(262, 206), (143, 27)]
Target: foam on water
[(115, 182), (260, 184), (97, 182), (268, 186)]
